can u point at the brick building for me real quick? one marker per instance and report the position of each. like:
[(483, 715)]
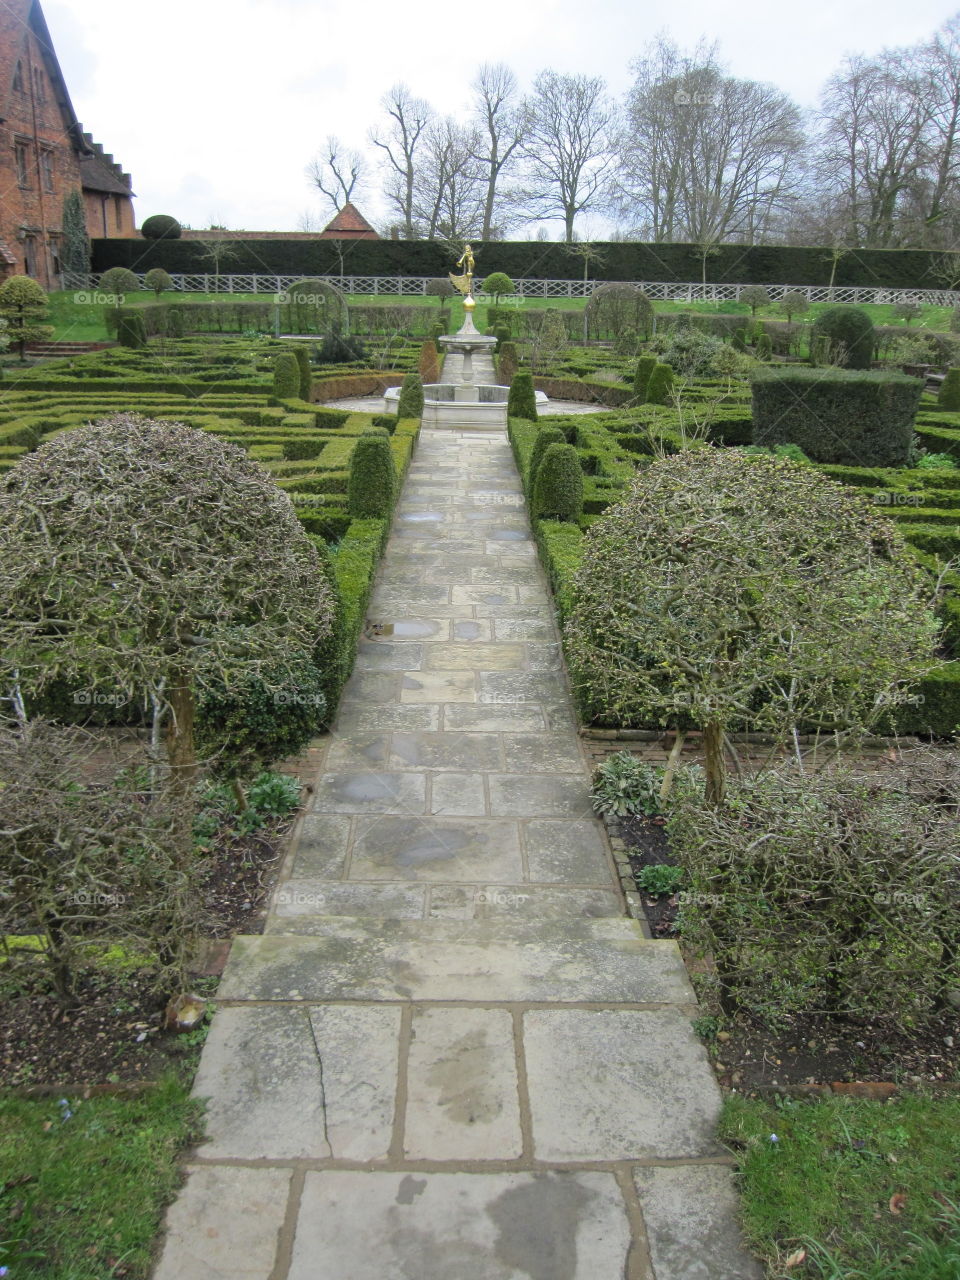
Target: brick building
[(44, 154)]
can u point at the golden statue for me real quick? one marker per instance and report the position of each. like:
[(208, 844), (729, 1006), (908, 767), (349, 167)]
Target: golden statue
[(464, 283)]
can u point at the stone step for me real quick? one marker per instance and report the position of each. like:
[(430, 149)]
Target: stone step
[(567, 961), (305, 905)]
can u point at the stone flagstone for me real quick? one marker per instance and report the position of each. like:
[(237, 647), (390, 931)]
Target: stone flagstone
[(451, 1053)]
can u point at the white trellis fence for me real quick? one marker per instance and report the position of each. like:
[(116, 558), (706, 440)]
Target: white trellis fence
[(529, 290)]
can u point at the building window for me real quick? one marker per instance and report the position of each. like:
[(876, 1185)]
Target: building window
[(39, 88), (30, 255), (46, 169), (23, 164), (18, 78), (118, 208)]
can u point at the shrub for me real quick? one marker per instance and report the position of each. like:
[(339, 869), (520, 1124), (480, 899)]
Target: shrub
[(948, 397), (175, 323), (508, 363), (245, 725), (835, 891), (118, 282), (623, 785), (131, 331), (641, 379), (660, 878), (74, 240), (499, 317), (442, 289), (906, 311), (429, 362), (755, 296), (373, 478), (618, 308), (764, 347), (286, 376), (502, 335), (522, 401), (338, 349), (837, 416), (686, 350), (497, 284), (545, 437), (161, 226), (731, 591), (437, 331), (23, 308), (315, 306), (739, 339), (660, 386), (794, 303), (558, 486), (157, 280), (306, 373), (849, 332), (410, 403)]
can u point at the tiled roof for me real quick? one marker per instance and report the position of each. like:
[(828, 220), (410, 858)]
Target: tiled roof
[(96, 176), (6, 256), (349, 222)]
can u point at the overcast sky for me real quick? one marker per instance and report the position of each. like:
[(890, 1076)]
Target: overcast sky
[(217, 106)]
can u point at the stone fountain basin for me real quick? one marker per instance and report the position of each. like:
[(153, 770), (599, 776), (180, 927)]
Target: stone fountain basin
[(454, 392)]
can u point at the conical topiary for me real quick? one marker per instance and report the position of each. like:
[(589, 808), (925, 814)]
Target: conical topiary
[(558, 490), (306, 374), (286, 376), (522, 401), (372, 485), (660, 385), (410, 404), (641, 379), (948, 397), (545, 437)]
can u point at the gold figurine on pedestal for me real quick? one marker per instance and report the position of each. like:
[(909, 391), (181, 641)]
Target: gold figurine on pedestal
[(464, 283)]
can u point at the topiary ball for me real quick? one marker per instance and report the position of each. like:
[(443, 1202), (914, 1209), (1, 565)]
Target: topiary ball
[(161, 226)]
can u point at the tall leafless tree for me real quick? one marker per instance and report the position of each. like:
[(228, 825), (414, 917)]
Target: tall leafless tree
[(500, 119), (448, 184), (568, 147), (400, 141), (706, 157), (338, 172)]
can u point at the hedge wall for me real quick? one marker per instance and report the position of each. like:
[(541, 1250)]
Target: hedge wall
[(733, 264)]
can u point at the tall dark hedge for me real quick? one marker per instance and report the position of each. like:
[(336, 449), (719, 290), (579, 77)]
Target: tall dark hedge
[(849, 418), (629, 260), (849, 331), (545, 437), (522, 401), (306, 373)]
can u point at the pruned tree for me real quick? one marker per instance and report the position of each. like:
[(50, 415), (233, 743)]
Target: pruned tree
[(500, 120), (23, 307), (734, 592), (338, 172), (400, 140), (75, 242), (143, 558), (568, 148)]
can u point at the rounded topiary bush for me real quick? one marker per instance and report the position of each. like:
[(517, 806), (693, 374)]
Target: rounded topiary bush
[(558, 488), (117, 283), (497, 284), (544, 438), (161, 226), (286, 376), (131, 331), (641, 379), (372, 485), (660, 385), (175, 323), (948, 397), (158, 280), (522, 401), (410, 404), (849, 333)]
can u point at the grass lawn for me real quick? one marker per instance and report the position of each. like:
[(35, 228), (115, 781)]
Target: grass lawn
[(85, 1183), (832, 1181)]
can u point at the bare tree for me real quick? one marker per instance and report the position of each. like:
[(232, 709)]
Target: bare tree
[(448, 183), (338, 172), (400, 141), (500, 119), (706, 157), (568, 147)]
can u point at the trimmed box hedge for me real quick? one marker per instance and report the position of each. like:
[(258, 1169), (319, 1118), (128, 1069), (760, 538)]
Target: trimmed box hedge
[(848, 418)]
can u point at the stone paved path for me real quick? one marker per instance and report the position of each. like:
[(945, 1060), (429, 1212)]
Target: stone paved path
[(452, 1056)]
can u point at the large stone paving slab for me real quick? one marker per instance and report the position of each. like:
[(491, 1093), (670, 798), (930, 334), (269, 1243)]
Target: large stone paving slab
[(299, 899), (461, 1226), (542, 795), (358, 1049), (445, 751), (690, 1212), (225, 1223), (462, 1092), (322, 846), (436, 849), (489, 902), (618, 1084), (566, 852), (567, 961), (371, 792)]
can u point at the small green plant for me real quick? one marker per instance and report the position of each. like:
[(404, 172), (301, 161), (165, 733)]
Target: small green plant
[(662, 878), (275, 794), (936, 462), (706, 1027), (624, 786)]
